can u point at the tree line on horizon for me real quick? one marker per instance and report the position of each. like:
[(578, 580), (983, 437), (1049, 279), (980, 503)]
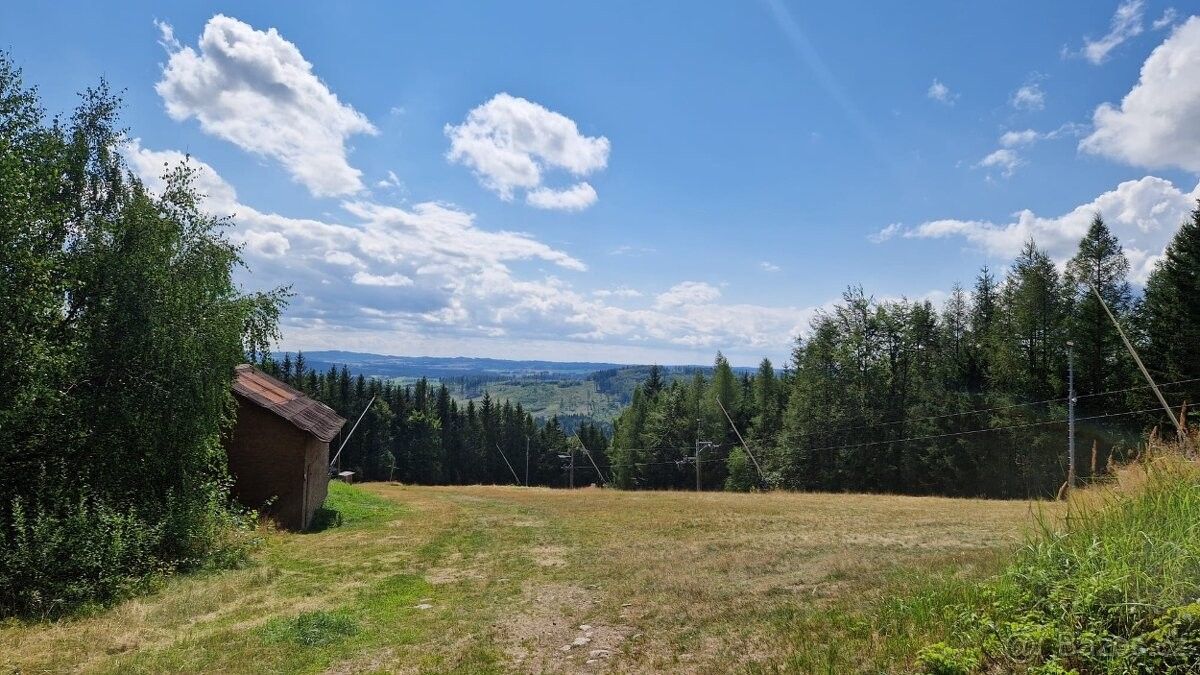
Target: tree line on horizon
[(419, 433), (968, 399)]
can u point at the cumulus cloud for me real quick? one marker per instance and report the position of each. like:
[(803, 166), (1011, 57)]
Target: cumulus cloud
[(510, 143), (1158, 121), (1126, 23), (1029, 97), (768, 266), (1005, 159), (254, 89), (1143, 213), (941, 93), (575, 198), (1012, 139), (428, 277)]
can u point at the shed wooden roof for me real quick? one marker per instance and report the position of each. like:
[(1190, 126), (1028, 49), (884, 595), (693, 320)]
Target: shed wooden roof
[(305, 413)]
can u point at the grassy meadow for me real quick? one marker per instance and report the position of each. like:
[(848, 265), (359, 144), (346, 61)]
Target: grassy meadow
[(508, 579)]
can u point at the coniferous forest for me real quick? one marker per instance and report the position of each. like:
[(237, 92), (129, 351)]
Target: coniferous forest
[(418, 433), (968, 398)]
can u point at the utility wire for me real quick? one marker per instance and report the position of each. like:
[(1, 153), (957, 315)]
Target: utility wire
[(980, 431), (1009, 406)]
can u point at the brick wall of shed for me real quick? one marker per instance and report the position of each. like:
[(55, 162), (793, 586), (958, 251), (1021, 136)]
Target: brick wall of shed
[(267, 459)]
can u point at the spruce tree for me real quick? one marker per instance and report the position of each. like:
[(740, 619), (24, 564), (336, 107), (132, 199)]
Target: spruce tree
[(1100, 264), (1171, 315)]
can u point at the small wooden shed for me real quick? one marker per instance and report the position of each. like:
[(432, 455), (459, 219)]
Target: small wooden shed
[(279, 448)]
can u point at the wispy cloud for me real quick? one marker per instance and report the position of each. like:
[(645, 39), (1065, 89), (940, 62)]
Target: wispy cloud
[(1126, 23), (941, 93)]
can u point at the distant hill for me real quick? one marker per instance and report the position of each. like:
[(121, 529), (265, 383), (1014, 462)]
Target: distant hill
[(440, 367), (572, 390)]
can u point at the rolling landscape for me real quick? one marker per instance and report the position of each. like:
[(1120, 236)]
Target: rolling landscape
[(533, 337)]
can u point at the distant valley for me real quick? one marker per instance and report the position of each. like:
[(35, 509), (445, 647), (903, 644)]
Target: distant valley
[(571, 390)]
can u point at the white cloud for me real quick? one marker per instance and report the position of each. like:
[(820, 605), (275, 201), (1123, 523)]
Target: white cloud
[(1167, 19), (428, 278), (1005, 159), (1143, 213), (391, 182), (267, 244), (166, 36), (631, 250), (254, 89), (1158, 123), (941, 93), (886, 233), (510, 143), (575, 198), (368, 279), (769, 266), (1012, 139), (1029, 97), (622, 292), (688, 293), (1126, 23)]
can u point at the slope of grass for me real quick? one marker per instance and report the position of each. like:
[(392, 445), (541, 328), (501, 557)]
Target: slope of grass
[(1112, 587), (507, 579)]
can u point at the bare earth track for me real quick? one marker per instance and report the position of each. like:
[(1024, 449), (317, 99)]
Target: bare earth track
[(500, 579)]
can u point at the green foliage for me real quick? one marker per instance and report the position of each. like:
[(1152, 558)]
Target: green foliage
[(942, 659), (741, 474), (120, 331), (1112, 591)]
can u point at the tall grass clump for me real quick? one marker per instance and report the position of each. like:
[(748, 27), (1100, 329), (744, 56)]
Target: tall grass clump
[(1113, 586)]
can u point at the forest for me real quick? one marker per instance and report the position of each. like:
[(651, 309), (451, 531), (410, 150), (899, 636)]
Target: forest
[(897, 396), (966, 399), (418, 433)]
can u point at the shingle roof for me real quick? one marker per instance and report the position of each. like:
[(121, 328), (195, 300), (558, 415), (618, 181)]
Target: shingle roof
[(267, 392)]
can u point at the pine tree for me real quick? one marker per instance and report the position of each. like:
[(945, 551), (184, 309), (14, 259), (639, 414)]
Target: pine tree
[(1171, 316), (1100, 264)]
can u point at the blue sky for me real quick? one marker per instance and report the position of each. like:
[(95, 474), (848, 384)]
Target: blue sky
[(638, 181)]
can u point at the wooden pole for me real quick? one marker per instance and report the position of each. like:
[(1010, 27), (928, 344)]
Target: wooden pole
[(1183, 437)]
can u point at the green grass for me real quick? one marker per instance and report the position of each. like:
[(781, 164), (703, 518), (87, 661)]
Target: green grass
[(1112, 587), (499, 579)]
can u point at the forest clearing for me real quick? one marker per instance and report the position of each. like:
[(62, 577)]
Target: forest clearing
[(500, 579)]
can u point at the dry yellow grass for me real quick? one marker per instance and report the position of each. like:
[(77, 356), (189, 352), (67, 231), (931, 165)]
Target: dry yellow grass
[(663, 582)]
